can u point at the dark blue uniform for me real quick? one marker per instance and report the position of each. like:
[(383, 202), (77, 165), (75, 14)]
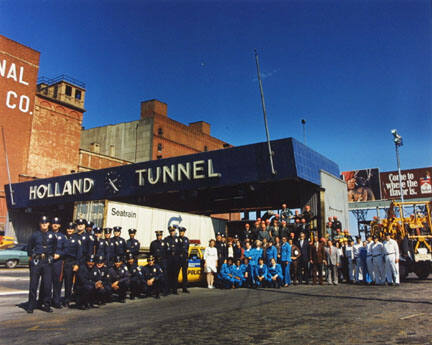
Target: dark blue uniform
[(150, 272), (133, 246), (119, 246), (72, 257), (111, 251), (102, 249), (173, 261), (122, 276), (41, 248), (58, 265), (183, 257), (84, 240), (137, 281), (158, 249)]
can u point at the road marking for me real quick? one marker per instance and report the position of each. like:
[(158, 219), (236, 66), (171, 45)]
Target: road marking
[(20, 292), (37, 328), (411, 316)]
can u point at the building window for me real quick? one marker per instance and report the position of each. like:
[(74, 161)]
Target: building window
[(68, 90), (159, 147), (160, 131), (55, 91), (205, 148), (78, 94), (159, 156)]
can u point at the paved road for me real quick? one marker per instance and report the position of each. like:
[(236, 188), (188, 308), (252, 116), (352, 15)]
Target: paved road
[(344, 314)]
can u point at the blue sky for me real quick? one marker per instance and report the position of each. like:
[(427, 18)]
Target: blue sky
[(353, 69)]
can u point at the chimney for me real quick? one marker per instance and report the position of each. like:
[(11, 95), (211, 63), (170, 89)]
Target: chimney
[(200, 126), (153, 107)]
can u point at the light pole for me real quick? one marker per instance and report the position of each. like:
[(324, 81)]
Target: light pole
[(398, 143), (303, 122)]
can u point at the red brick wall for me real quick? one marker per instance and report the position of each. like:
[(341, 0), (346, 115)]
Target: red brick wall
[(92, 161), (55, 139)]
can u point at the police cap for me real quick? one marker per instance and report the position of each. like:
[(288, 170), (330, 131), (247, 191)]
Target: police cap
[(130, 256), (100, 259), (182, 229), (70, 225), (150, 258), (89, 224), (218, 233), (159, 232), (97, 230), (91, 258), (236, 237), (107, 231), (118, 258), (223, 235), (55, 220), (117, 228), (132, 231), (80, 221), (171, 228), (43, 219)]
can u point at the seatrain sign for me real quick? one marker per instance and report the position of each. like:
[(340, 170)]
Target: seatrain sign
[(213, 169)]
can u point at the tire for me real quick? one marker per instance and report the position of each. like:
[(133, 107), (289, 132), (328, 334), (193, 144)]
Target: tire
[(11, 263), (403, 272), (422, 271)]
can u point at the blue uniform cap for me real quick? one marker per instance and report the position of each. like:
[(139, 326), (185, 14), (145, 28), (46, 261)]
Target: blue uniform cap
[(182, 229), (43, 219), (89, 224), (80, 221), (55, 220), (97, 230), (132, 231), (118, 259), (100, 259), (129, 256), (107, 230), (117, 228), (70, 225), (91, 258), (159, 232)]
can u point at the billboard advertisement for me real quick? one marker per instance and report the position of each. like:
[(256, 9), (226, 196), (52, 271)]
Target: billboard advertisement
[(416, 183), (362, 185)]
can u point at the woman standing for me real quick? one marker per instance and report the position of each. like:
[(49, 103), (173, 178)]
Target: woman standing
[(210, 263)]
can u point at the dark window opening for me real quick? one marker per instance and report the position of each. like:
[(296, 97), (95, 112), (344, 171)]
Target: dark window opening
[(159, 147), (68, 90), (78, 94), (160, 131), (55, 91), (205, 148), (159, 157)]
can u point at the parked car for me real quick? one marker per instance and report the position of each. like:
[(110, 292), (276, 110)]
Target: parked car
[(14, 256)]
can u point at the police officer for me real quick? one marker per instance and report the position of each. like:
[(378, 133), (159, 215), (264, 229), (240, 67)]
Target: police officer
[(110, 247), (132, 244), (90, 237), (184, 254), (119, 243), (87, 284), (137, 282), (41, 250), (152, 276), (173, 259), (158, 249), (81, 235), (222, 250), (58, 264), (72, 258), (102, 277), (119, 275)]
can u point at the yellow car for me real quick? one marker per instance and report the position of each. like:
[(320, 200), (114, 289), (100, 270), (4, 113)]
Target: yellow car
[(195, 265)]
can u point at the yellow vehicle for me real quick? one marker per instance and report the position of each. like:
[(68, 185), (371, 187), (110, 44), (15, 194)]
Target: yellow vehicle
[(7, 242), (195, 263), (409, 223)]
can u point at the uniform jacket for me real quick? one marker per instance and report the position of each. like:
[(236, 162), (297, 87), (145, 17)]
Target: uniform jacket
[(286, 252), (273, 270), (42, 243)]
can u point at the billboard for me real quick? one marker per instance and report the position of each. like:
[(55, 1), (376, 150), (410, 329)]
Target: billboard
[(362, 185), (416, 183)]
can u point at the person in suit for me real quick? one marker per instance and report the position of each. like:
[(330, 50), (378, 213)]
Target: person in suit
[(332, 262), (303, 260), (317, 257)]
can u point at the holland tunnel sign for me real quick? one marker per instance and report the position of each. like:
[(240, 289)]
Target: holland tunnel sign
[(213, 169)]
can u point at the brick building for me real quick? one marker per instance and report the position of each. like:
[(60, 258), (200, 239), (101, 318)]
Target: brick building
[(42, 125)]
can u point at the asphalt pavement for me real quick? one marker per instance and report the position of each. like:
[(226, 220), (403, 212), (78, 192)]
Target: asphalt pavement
[(306, 314)]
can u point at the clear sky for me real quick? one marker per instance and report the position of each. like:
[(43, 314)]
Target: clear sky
[(353, 69)]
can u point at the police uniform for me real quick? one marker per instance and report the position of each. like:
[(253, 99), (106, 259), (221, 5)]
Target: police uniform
[(222, 251), (90, 238), (101, 245), (119, 244), (41, 248), (184, 262), (158, 250), (121, 276), (173, 259), (111, 248), (58, 266), (137, 281), (152, 271), (133, 245), (84, 239), (72, 258), (102, 274)]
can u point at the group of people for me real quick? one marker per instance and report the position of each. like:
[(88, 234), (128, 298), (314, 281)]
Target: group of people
[(96, 267), (270, 255)]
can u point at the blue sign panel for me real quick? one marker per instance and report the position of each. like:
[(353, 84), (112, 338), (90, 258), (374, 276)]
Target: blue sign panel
[(214, 169)]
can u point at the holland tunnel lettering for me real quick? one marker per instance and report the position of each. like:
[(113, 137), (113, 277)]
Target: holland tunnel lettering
[(177, 172), (70, 187)]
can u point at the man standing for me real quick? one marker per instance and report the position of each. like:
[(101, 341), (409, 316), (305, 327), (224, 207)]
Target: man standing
[(58, 264), (285, 213), (110, 247), (248, 234), (158, 250), (357, 263), (369, 262), (81, 235), (263, 233), (317, 257), (41, 248), (391, 256), (332, 261), (303, 261), (173, 262), (90, 238), (286, 260), (378, 261), (72, 258), (119, 243), (132, 244), (349, 254), (221, 250), (184, 254)]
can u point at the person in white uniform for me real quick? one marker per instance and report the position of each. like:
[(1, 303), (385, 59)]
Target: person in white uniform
[(357, 260), (349, 254), (369, 263), (378, 261), (210, 263), (391, 256)]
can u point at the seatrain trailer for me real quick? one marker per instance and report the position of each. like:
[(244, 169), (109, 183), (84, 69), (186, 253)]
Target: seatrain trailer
[(147, 220)]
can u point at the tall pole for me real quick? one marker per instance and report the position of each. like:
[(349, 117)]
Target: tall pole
[(265, 115), (399, 172), (303, 121)]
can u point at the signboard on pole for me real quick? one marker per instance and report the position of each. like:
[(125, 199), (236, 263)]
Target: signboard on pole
[(362, 185), (416, 183)]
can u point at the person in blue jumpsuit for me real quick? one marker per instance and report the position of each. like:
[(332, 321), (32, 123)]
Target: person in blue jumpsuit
[(225, 274), (249, 253), (247, 273), (270, 252), (261, 273), (286, 260), (275, 275), (237, 274), (41, 249), (72, 257), (132, 244)]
